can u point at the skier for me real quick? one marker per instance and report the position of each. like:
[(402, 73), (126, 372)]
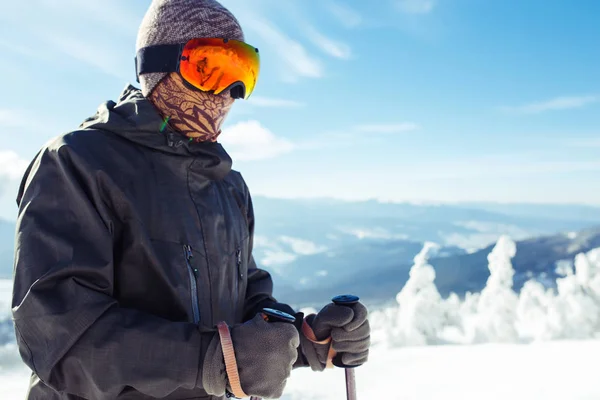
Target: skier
[(134, 274)]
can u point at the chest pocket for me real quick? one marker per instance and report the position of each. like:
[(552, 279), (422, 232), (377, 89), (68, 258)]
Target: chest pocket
[(225, 232)]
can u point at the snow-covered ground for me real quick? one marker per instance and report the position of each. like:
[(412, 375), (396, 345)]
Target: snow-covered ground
[(548, 371), (497, 344), (552, 370)]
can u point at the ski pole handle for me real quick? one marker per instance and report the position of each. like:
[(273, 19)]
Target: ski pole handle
[(346, 300), (272, 315)]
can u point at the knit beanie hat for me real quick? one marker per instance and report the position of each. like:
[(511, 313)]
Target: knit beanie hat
[(177, 21)]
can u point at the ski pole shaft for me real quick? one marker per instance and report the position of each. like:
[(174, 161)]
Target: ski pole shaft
[(350, 384), (348, 301), (271, 315)]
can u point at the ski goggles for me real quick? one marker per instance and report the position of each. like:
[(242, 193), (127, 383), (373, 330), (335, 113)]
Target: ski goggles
[(210, 65)]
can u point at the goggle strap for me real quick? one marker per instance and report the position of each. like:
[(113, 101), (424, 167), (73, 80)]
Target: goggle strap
[(159, 58)]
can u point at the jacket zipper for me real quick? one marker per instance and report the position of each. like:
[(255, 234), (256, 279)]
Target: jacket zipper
[(193, 273)]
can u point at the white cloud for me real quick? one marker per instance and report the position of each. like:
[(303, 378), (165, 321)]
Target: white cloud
[(303, 247), (12, 166), (346, 15), (263, 241), (296, 59), (415, 6), (250, 141), (389, 128), (373, 233), (329, 46), (259, 101), (558, 103), (277, 258)]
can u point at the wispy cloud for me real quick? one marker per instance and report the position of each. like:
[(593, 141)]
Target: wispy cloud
[(93, 54), (389, 128), (12, 118), (346, 15), (50, 26), (555, 104), (296, 60), (22, 120), (584, 143), (20, 49), (329, 46), (108, 12), (415, 6), (494, 168), (250, 141), (268, 102)]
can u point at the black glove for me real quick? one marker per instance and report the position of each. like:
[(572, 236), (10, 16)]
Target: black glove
[(265, 353), (350, 335)]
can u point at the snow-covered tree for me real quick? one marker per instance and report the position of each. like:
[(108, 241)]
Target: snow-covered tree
[(496, 310), (593, 284), (575, 312), (421, 313), (532, 311)]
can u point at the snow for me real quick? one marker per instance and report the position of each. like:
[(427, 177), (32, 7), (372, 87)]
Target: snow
[(498, 314), (549, 371), (497, 344), (422, 313), (490, 371), (496, 311)]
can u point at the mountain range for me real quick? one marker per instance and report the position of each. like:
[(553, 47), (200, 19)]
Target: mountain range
[(318, 247), (537, 258)]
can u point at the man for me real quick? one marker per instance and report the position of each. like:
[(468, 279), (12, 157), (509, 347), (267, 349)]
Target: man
[(133, 264)]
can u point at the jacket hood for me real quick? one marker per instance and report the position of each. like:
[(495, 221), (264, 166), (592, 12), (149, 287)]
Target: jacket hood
[(135, 118)]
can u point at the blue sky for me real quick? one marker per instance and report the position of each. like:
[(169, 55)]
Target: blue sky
[(402, 100)]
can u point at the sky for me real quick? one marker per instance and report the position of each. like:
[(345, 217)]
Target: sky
[(396, 100)]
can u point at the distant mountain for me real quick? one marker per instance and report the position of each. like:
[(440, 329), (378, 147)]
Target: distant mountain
[(549, 211), (7, 240), (316, 243), (337, 264), (536, 258), (322, 242), (464, 226)]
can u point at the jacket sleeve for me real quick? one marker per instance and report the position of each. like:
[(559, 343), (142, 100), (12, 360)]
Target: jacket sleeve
[(259, 292), (70, 329)]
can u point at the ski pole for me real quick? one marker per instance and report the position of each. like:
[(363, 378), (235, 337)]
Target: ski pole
[(272, 315), (348, 301)]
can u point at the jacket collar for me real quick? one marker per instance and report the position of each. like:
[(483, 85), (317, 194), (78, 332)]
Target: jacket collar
[(135, 118)]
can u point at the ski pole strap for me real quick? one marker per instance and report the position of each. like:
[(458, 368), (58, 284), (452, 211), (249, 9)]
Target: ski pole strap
[(310, 335), (230, 361)]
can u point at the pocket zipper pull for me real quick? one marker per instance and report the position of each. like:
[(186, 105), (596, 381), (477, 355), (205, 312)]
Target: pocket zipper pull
[(239, 257), (189, 252), (239, 263)]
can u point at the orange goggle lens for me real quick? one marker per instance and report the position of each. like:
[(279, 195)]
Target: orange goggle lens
[(218, 65)]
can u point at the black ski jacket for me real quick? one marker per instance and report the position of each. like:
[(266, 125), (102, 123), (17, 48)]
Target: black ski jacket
[(131, 243)]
